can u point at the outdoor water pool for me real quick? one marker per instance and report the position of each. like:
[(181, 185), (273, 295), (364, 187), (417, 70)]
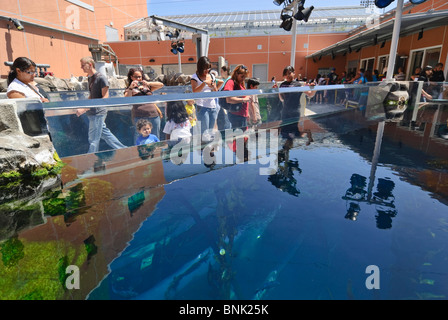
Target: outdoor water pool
[(335, 209)]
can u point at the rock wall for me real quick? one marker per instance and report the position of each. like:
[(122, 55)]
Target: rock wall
[(51, 83), (18, 151)]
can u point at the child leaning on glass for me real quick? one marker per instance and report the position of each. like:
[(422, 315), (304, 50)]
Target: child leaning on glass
[(191, 111), (144, 128)]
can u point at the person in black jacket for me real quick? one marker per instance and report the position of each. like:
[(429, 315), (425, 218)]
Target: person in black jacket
[(425, 75), (437, 77)]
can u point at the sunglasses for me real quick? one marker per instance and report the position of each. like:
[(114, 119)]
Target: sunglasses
[(30, 72), (243, 67)]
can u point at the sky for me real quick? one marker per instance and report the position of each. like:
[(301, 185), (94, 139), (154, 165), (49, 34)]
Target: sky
[(179, 7)]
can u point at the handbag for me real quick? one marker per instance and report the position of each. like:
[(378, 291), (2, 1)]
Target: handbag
[(232, 107)]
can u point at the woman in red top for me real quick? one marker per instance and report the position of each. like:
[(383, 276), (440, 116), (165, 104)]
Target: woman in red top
[(238, 118)]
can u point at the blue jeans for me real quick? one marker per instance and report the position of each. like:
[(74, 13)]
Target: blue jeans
[(97, 131), (238, 121), (155, 121), (207, 117)]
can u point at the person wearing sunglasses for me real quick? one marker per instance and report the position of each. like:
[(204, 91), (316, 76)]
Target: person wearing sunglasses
[(238, 116), (21, 80)]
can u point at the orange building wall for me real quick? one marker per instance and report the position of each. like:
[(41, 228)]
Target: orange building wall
[(275, 51), (75, 28)]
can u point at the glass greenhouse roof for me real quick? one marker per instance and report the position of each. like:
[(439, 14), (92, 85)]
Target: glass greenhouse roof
[(261, 22)]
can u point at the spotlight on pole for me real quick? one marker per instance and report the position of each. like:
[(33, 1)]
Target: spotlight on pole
[(287, 22), (278, 2), (173, 48), (180, 47), (17, 24), (383, 3), (303, 13)]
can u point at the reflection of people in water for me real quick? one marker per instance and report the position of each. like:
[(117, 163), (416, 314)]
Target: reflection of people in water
[(284, 178)]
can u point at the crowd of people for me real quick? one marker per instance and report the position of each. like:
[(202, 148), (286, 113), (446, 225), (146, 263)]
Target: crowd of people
[(182, 117)]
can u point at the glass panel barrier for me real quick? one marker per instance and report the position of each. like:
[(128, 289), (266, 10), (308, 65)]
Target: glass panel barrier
[(278, 107)]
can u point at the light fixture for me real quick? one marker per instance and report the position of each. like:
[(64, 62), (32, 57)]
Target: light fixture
[(349, 49), (375, 40), (177, 47), (420, 35), (278, 2), (152, 60), (287, 22), (17, 24), (180, 46), (302, 13), (190, 59), (333, 56), (173, 47), (383, 3), (383, 44)]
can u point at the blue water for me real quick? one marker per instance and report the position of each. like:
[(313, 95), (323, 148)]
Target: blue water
[(231, 233)]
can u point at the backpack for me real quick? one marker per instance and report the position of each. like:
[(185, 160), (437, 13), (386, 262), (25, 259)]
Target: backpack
[(232, 107)]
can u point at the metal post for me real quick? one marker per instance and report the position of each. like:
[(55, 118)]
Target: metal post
[(179, 62), (376, 154), (294, 32), (394, 41)]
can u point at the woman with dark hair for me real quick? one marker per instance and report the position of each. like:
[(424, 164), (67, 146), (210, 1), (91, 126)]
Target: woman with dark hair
[(238, 116), (178, 125), (292, 107), (149, 111), (425, 75), (203, 81), (21, 80)]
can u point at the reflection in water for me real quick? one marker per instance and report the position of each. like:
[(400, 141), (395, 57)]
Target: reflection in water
[(284, 179), (384, 203), (139, 232)]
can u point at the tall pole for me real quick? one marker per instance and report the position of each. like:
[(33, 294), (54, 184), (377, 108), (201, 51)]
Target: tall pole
[(179, 61), (294, 32), (394, 41)]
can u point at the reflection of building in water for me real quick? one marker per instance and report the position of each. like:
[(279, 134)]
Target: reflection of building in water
[(92, 236)]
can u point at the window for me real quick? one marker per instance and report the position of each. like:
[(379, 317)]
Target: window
[(367, 64), (383, 62), (423, 57)]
